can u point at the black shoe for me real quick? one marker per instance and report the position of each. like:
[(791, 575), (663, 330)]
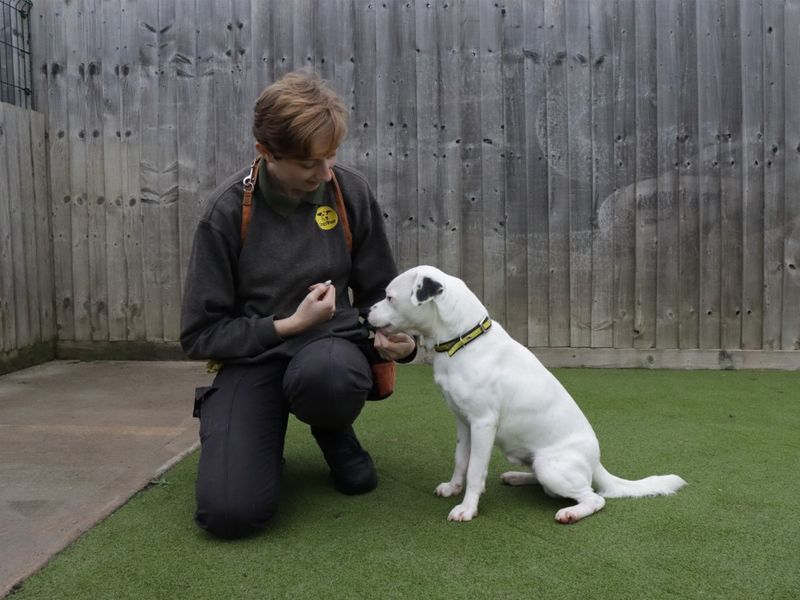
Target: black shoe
[(351, 466)]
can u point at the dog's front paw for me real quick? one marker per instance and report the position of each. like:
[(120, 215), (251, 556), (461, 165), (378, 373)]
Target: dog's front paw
[(462, 512), (448, 489)]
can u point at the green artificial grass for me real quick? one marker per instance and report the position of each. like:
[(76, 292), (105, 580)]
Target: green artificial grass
[(733, 532)]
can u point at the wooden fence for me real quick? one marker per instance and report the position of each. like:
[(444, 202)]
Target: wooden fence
[(618, 180), (27, 326)]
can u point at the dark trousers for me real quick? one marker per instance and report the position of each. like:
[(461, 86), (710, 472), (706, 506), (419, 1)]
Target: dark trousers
[(243, 419)]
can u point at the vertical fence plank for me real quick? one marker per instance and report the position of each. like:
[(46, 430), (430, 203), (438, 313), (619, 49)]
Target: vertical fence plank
[(438, 134), (208, 49), (558, 172), (624, 171), (149, 169), (335, 45), (363, 137), (283, 30), (601, 15), (329, 41), (261, 48), (535, 94), (688, 190), (132, 227), (709, 90), (471, 147), (514, 180), (95, 181), (304, 15), (18, 144), (41, 15), (406, 180), (427, 128), (59, 143), (397, 171), (752, 80), (167, 186), (646, 176), (25, 264), (8, 304), (731, 178), (388, 55), (579, 146), (43, 267), (668, 41), (242, 77), (115, 265), (78, 186), (225, 100), (256, 58), (491, 56), (14, 251), (774, 184), (188, 128), (449, 139), (13, 244), (438, 131), (791, 261)]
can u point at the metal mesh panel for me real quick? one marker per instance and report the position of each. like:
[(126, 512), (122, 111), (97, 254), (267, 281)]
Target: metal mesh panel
[(15, 53)]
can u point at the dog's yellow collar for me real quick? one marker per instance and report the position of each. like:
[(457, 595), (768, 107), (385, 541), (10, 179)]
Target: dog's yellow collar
[(456, 344)]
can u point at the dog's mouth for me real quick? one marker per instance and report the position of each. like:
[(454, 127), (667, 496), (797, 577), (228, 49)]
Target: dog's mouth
[(386, 330)]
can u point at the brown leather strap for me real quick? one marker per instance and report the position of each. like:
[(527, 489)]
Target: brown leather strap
[(247, 201), (348, 237)]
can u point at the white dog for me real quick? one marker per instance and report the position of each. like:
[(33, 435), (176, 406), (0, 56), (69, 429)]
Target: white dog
[(499, 391)]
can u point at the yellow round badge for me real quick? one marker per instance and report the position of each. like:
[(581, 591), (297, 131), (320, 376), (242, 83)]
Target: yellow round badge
[(326, 217)]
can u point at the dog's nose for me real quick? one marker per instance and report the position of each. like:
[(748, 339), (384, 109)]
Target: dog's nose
[(368, 322)]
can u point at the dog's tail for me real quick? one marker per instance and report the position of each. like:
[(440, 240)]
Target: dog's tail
[(610, 486)]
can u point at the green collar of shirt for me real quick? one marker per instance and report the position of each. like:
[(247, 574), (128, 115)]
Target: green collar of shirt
[(280, 203)]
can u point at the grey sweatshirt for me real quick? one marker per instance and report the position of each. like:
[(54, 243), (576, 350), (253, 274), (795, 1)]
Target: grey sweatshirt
[(234, 292)]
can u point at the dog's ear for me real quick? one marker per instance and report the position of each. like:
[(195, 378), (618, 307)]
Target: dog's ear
[(425, 290)]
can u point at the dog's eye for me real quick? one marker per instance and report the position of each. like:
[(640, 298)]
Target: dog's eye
[(389, 298)]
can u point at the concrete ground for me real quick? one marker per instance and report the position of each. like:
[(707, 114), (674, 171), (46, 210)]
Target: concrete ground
[(77, 440)]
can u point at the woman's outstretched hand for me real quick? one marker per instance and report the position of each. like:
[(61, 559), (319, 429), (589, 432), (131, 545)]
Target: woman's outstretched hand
[(395, 346), (318, 306)]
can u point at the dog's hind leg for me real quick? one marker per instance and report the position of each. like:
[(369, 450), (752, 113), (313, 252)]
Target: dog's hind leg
[(518, 478), (566, 479), (588, 504)]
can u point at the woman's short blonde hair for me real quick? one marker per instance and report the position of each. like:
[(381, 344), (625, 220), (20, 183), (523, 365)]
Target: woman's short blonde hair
[(299, 115)]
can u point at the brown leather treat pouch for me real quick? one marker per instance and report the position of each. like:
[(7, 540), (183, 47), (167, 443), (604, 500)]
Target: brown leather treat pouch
[(384, 372), (384, 375)]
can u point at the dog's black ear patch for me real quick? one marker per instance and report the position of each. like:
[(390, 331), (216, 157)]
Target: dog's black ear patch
[(428, 289)]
